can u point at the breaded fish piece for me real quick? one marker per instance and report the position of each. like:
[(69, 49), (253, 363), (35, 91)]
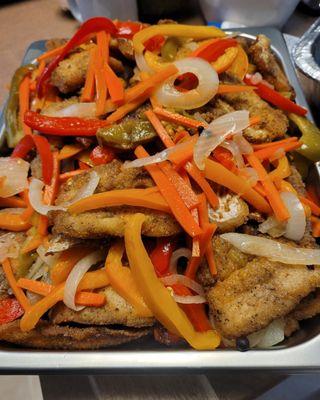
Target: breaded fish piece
[(262, 56), (253, 296), (111, 221), (116, 311), (48, 336), (70, 74), (308, 308), (274, 123)]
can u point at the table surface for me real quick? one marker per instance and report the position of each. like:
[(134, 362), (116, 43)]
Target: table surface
[(24, 22)]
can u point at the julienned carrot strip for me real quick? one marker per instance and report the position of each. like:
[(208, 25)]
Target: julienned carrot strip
[(17, 291), (234, 88), (185, 192), (264, 154), (128, 197), (51, 191), (169, 192), (278, 142), (28, 212), (103, 40), (123, 110), (43, 225), (114, 85), (180, 135), (101, 90), (217, 173), (13, 222), (178, 119), (272, 194), (32, 244), (12, 201), (44, 289), (195, 241), (185, 152), (259, 188), (64, 177), (315, 209), (50, 54), (159, 128), (24, 100), (199, 178), (315, 226), (88, 89)]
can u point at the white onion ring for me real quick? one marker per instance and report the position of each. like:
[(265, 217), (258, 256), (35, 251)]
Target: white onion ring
[(182, 252), (75, 277), (142, 63), (189, 299), (272, 227), (244, 146), (81, 110), (296, 224), (168, 96), (15, 170), (183, 280), (235, 151), (251, 175), (273, 250), (47, 259), (216, 133)]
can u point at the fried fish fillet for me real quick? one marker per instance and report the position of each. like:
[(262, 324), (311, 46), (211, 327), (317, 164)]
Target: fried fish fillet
[(111, 221), (249, 298), (48, 336), (262, 56), (116, 311)]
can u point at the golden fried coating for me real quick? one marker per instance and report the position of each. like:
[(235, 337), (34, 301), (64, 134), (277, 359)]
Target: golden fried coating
[(116, 311), (111, 221), (48, 336)]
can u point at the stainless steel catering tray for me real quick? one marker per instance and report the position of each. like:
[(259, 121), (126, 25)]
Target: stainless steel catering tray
[(300, 353)]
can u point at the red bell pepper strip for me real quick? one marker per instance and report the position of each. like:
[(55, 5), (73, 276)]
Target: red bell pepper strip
[(10, 310), (213, 49), (161, 255), (93, 25), (42, 145), (275, 98), (127, 29), (101, 155), (154, 43), (64, 126)]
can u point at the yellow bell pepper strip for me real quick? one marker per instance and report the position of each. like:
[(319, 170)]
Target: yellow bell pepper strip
[(122, 281), (66, 261), (13, 222), (17, 291), (225, 60), (282, 171), (128, 197), (155, 294), (36, 311), (176, 30), (217, 173), (240, 65)]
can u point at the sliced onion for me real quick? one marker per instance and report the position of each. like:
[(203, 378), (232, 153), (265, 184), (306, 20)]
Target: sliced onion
[(251, 175), (9, 247), (269, 336), (216, 133), (35, 197), (244, 146), (296, 224), (182, 252), (35, 267), (168, 96), (234, 150), (256, 78), (189, 299), (81, 110), (183, 280), (86, 190), (142, 63), (75, 277), (47, 259), (273, 227), (15, 171), (272, 249)]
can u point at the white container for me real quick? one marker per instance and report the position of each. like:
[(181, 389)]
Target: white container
[(114, 9), (249, 12)]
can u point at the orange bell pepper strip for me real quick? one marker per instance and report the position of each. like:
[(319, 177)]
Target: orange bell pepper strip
[(12, 201), (69, 150), (217, 173), (44, 289), (122, 281), (222, 63), (66, 261), (17, 291), (155, 294), (315, 226), (13, 222), (240, 65), (315, 209), (282, 171)]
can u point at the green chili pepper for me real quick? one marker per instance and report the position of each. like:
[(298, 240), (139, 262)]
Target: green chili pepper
[(310, 137), (127, 135), (14, 130), (169, 49)]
